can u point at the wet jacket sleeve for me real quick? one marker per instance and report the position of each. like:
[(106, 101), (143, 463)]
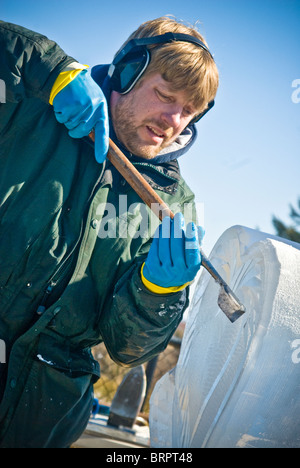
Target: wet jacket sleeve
[(139, 324), (29, 63)]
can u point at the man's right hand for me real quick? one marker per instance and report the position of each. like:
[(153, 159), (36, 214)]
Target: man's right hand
[(82, 107)]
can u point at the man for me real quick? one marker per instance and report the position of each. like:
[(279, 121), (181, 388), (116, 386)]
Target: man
[(77, 261)]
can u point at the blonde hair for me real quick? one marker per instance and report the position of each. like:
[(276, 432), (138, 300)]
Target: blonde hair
[(183, 64)]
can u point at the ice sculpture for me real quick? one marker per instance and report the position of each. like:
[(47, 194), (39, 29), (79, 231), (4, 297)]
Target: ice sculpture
[(237, 385)]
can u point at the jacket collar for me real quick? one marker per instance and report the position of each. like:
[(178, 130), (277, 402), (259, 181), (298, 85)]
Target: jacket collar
[(182, 144)]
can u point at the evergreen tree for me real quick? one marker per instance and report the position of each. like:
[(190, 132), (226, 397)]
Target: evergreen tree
[(289, 232)]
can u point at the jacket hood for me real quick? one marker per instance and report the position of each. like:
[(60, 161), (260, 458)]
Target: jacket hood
[(179, 147)]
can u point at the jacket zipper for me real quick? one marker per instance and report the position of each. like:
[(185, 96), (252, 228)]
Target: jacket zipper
[(42, 307), (54, 280)]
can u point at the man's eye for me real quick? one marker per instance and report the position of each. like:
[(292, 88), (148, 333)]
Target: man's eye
[(188, 112), (163, 97)]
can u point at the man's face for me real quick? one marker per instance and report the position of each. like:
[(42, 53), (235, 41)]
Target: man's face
[(151, 116)]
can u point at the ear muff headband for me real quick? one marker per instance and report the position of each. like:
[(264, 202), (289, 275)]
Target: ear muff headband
[(130, 62)]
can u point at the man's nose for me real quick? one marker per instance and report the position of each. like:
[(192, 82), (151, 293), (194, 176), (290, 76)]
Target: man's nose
[(172, 117)]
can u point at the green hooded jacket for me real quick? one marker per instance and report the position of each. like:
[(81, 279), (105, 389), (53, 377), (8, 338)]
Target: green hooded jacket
[(73, 237)]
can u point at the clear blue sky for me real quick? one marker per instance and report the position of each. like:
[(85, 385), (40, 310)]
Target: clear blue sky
[(246, 163)]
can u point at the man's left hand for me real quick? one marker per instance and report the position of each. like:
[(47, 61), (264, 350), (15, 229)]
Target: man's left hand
[(174, 258)]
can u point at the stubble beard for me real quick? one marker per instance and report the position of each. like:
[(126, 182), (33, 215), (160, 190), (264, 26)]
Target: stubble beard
[(126, 129)]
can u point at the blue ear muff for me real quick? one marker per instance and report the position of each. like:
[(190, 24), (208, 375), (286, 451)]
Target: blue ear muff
[(131, 62), (125, 72)]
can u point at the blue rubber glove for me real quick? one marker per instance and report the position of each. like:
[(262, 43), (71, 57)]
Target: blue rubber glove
[(174, 258), (81, 107)]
